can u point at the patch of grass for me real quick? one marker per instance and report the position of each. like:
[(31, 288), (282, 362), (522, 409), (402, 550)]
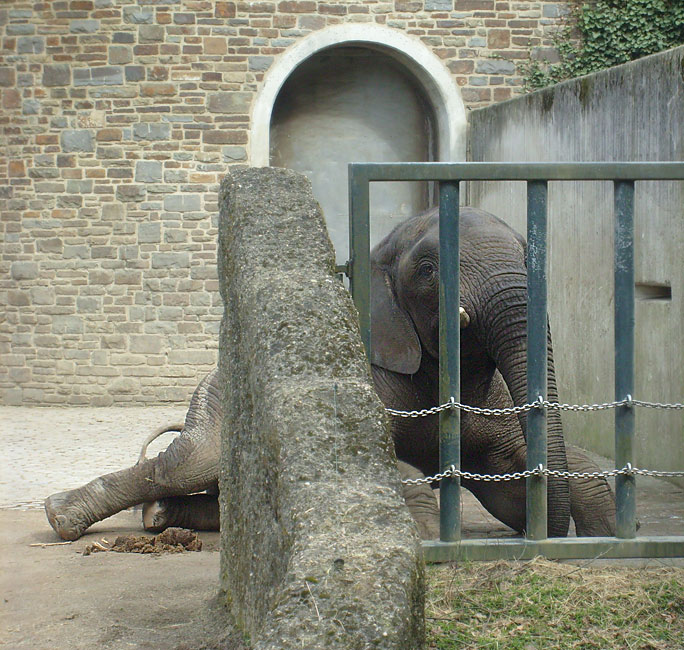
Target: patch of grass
[(545, 605)]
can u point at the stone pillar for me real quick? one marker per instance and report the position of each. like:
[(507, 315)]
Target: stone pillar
[(317, 547)]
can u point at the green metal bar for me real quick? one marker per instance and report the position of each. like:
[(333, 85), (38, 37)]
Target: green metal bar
[(536, 356), (449, 358), (359, 249), (557, 548), (625, 486), (358, 269), (606, 171)]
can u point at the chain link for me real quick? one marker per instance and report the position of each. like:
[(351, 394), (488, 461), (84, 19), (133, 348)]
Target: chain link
[(540, 470), (539, 403)]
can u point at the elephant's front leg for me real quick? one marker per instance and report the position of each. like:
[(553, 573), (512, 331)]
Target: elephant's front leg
[(592, 502), (421, 502), (494, 445)]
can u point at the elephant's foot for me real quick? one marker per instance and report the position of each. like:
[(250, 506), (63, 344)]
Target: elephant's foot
[(156, 516), (195, 511), (67, 516)]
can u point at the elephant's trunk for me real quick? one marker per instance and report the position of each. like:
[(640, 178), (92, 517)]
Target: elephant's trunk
[(504, 332)]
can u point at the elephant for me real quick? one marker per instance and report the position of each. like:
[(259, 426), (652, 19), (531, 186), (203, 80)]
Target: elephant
[(493, 320), (404, 369)]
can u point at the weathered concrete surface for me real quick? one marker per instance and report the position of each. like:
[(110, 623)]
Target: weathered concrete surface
[(633, 112), (317, 547)]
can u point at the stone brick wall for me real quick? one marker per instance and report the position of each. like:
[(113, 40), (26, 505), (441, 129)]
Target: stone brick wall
[(118, 120)]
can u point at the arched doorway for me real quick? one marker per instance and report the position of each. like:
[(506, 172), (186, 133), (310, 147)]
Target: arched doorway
[(353, 93), (349, 104)]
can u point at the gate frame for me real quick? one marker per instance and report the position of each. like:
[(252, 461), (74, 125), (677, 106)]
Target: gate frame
[(451, 547)]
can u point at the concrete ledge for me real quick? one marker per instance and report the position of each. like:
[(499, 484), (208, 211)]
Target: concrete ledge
[(317, 547)]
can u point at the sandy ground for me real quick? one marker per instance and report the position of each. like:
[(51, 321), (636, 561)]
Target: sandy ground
[(54, 597)]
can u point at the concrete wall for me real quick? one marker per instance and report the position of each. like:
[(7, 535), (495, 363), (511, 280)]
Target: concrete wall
[(318, 549), (633, 112), (117, 121)]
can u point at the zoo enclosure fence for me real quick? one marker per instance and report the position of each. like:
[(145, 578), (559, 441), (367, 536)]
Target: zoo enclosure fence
[(536, 175)]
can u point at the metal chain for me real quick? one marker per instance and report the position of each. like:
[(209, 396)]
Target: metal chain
[(540, 470), (539, 403)]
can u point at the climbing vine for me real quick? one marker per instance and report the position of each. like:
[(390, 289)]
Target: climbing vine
[(604, 33)]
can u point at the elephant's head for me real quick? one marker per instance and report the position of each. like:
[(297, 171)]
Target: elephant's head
[(405, 314)]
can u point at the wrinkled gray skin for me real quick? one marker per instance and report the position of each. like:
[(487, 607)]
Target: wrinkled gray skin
[(405, 377)]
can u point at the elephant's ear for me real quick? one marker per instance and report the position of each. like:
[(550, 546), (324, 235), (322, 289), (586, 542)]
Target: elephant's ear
[(394, 340)]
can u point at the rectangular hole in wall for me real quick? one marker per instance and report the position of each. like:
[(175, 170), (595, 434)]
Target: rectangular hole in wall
[(652, 291)]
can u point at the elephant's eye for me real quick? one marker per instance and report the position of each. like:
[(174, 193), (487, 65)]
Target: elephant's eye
[(426, 270)]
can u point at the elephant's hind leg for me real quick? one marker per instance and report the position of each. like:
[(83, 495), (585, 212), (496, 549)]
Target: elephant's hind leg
[(194, 511)]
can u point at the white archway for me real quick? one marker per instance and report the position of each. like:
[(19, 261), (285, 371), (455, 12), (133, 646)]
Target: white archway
[(426, 67)]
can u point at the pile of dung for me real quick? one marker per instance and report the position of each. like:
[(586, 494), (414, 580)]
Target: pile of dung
[(172, 540)]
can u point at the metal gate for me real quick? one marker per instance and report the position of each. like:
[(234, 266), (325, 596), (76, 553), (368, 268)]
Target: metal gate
[(448, 175)]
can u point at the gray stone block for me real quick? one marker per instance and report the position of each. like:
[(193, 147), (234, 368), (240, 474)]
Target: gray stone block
[(151, 131), (77, 140), (130, 192), (105, 75), (146, 344), (80, 251), (138, 15), (67, 325), (439, 5), (87, 26), (260, 63), (495, 66), (234, 153), (182, 203), (7, 76), (170, 261), (42, 296), (50, 245), (149, 233), (148, 171), (88, 304), (175, 176), (151, 33), (30, 107), (24, 270), (124, 386), (79, 186), (120, 54), (113, 211), (124, 38), (58, 74), (135, 72), (20, 29), (110, 153), (31, 45), (233, 102), (304, 432), (25, 79)]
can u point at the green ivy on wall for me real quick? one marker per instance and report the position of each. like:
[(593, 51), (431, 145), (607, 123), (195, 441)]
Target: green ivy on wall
[(604, 33)]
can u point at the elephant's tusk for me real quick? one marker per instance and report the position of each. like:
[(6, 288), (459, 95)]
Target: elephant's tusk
[(464, 318)]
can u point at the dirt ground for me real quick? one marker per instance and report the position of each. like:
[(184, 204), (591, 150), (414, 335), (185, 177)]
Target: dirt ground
[(55, 598)]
